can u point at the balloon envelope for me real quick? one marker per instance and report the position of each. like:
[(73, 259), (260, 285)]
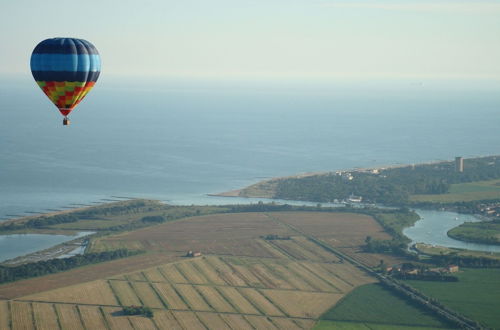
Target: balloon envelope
[(66, 69)]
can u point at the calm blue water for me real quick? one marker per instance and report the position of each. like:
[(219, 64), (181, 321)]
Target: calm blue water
[(178, 140), (12, 246)]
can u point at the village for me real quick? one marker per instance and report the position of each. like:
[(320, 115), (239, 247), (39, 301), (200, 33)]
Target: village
[(418, 272)]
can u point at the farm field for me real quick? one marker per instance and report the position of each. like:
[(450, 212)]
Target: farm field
[(480, 190), (241, 281), (345, 231), (339, 229), (244, 302), (475, 295), (82, 274), (228, 234), (344, 325), (368, 304)]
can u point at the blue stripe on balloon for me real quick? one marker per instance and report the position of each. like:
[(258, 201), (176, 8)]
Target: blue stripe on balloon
[(66, 75), (65, 46), (65, 62)]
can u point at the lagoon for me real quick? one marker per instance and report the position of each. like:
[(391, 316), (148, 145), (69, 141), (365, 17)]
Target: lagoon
[(15, 245), (433, 226)]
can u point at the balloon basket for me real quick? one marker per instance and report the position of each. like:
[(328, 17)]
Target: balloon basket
[(66, 122)]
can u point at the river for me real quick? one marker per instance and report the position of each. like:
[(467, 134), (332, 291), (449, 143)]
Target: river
[(433, 226)]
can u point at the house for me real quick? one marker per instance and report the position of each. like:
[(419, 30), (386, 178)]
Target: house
[(192, 254), (452, 268)]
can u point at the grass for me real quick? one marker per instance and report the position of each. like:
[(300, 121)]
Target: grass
[(95, 224), (263, 189), (372, 303), (487, 232), (324, 325), (397, 221), (438, 250), (464, 192), (476, 295)]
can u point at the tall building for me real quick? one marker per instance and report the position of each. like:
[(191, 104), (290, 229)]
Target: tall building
[(459, 164)]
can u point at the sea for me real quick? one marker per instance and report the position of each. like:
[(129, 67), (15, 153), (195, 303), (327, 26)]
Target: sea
[(179, 140)]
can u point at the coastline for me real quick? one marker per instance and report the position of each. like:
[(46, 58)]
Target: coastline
[(263, 188)]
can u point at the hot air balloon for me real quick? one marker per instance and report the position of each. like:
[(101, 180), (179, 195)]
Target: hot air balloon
[(66, 69)]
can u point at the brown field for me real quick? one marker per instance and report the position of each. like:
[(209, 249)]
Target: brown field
[(21, 315), (4, 314), (280, 269), (208, 271), (147, 295), (320, 254), (341, 285), (45, 316), (213, 321), (348, 273), (295, 250), (231, 234), (188, 320), (268, 278), (193, 298), (69, 317), (170, 296), (124, 293), (96, 292), (225, 272), (312, 279), (82, 274), (272, 249), (242, 271), (238, 300), (214, 298), (342, 229), (261, 302), (260, 322), (248, 283), (171, 273), (305, 324), (236, 321), (116, 320), (138, 276), (165, 320), (92, 317), (191, 273), (302, 304), (154, 275), (142, 323), (285, 323)]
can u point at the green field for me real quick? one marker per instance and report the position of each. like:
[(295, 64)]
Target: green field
[(487, 232), (440, 250), (372, 304), (464, 192), (110, 220), (476, 295), (324, 325)]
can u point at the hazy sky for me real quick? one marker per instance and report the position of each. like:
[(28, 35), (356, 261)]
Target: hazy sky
[(265, 38)]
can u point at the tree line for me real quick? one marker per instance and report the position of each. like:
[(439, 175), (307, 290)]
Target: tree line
[(392, 186), (39, 268)]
